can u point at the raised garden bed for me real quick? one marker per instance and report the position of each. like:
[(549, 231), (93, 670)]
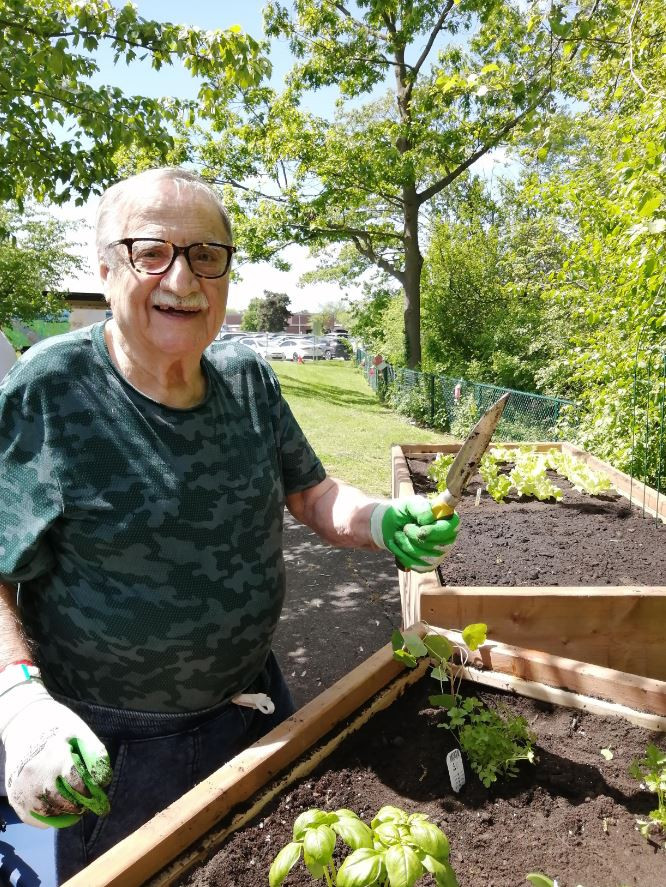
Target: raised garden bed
[(402, 753), (582, 577)]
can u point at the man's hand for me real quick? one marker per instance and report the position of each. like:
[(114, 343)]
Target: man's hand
[(408, 528), (56, 768)]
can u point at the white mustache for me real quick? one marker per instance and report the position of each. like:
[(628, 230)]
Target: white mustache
[(195, 302)]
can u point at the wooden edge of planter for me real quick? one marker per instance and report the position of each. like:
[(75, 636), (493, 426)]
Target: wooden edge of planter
[(638, 492), (619, 627), (566, 675), (139, 856), (149, 850)]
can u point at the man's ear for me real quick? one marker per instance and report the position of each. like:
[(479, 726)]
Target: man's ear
[(104, 276)]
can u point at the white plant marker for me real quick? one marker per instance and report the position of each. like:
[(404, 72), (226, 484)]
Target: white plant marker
[(454, 762)]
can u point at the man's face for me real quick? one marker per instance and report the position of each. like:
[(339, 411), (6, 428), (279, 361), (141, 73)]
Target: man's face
[(176, 313)]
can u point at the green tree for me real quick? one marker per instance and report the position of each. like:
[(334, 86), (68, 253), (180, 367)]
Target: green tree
[(58, 132), (274, 312), (250, 321), (464, 76), (34, 258), (609, 190)]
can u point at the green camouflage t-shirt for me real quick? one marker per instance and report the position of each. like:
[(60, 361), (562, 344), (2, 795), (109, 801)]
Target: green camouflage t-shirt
[(147, 540)]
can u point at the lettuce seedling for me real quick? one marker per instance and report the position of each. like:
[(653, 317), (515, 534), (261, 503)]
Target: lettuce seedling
[(651, 771), (393, 851)]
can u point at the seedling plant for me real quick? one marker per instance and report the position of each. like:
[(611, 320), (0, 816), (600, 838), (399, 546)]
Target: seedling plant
[(651, 771), (528, 477), (493, 741), (395, 850)]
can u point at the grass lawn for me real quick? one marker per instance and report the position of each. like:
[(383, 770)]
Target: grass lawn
[(350, 430)]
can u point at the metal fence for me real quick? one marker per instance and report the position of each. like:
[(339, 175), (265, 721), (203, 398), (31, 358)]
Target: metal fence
[(453, 405)]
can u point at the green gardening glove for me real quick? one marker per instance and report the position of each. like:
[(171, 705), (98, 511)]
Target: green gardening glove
[(409, 529)]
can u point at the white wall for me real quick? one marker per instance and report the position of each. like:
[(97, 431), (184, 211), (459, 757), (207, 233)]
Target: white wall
[(7, 354), (80, 317)]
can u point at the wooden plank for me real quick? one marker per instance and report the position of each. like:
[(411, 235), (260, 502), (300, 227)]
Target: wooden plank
[(139, 856), (635, 691), (535, 690), (615, 627), (640, 494)]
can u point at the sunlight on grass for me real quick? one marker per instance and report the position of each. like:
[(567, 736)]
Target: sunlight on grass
[(350, 430)]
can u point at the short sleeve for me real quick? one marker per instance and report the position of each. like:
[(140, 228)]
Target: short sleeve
[(301, 468), (30, 498)]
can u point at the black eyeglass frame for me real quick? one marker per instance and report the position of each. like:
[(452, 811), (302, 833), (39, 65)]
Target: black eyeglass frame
[(128, 242)]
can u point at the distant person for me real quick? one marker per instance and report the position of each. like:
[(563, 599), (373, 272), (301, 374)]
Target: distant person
[(143, 476)]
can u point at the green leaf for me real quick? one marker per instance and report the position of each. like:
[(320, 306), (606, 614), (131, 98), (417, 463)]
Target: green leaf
[(430, 839), (438, 647), (403, 866), (444, 874), (538, 880), (284, 863), (319, 843), (475, 634), (315, 868), (360, 868), (353, 832), (606, 753), (650, 203), (307, 819), (439, 674), (388, 833), (415, 645), (443, 700), (397, 640), (406, 658), (388, 813)]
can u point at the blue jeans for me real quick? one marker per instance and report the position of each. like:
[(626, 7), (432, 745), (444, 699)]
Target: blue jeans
[(158, 758)]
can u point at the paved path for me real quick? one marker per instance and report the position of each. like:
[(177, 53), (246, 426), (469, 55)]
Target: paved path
[(341, 606)]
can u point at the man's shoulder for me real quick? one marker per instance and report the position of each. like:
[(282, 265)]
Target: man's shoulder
[(49, 359), (230, 356)]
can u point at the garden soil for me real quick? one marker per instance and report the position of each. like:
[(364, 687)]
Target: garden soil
[(572, 815), (580, 540)]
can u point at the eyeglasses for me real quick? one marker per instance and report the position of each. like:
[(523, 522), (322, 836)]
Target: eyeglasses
[(149, 255)]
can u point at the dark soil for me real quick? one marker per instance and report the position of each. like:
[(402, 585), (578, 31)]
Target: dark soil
[(571, 815), (580, 540)]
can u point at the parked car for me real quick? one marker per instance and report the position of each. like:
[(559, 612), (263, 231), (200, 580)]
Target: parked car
[(306, 349), (268, 350), (336, 348)]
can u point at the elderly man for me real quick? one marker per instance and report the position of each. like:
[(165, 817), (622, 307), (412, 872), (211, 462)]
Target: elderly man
[(143, 477)]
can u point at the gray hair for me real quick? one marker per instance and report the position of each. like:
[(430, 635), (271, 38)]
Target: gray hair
[(116, 194)]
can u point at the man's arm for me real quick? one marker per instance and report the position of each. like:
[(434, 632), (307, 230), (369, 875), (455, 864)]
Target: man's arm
[(13, 645), (337, 512), (346, 517)]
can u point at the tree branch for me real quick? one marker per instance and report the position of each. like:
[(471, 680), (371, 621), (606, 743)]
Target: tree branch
[(381, 262), (426, 195), (431, 39), (359, 24), (254, 191)]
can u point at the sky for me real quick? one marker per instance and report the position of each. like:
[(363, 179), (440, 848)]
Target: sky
[(251, 280)]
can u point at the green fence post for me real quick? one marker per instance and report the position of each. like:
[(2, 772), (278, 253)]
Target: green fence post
[(432, 399)]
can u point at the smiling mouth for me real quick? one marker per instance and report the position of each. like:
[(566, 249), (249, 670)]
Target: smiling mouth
[(176, 312)]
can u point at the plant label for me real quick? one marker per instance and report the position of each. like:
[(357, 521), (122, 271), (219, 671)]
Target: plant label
[(456, 770)]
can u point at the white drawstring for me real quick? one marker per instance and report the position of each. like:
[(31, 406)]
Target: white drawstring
[(256, 700)]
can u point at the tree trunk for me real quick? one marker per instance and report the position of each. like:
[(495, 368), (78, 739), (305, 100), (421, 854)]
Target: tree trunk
[(412, 279)]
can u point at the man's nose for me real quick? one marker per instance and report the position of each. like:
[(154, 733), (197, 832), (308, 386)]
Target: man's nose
[(180, 277)]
